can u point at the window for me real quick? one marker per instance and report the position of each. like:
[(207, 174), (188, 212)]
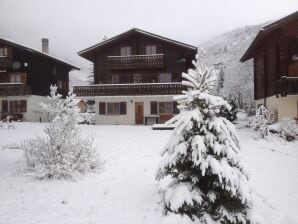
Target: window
[(125, 51), (165, 107), (116, 108), (137, 78), (102, 108), (3, 52), (164, 77), (18, 78), (17, 106), (150, 49), (15, 78), (114, 79), (153, 107), (5, 106)]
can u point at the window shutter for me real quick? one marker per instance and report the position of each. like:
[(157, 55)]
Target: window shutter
[(4, 106), (153, 106), (122, 107), (23, 78), (13, 106), (102, 108), (175, 109), (23, 106)]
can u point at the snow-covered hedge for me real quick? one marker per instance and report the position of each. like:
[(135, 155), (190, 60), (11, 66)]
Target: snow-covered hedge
[(289, 129), (261, 121), (62, 151)]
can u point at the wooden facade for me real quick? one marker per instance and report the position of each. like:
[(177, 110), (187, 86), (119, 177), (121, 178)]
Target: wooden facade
[(275, 55), (136, 75), (24, 71), (137, 56)]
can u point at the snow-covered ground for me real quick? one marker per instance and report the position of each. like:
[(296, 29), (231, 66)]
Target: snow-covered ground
[(124, 190)]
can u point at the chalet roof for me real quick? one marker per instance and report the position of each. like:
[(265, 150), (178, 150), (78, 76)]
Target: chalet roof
[(86, 51), (50, 57), (265, 32)]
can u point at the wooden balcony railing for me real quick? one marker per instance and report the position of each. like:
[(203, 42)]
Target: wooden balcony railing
[(5, 62), (14, 89), (129, 89), (287, 85), (136, 61)]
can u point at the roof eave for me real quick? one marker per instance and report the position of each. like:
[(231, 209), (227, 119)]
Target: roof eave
[(96, 46)]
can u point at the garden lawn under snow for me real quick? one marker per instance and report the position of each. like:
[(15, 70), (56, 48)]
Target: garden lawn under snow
[(124, 190)]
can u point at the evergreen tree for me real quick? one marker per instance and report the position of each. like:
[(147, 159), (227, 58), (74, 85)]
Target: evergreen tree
[(208, 182), (230, 114), (63, 151)]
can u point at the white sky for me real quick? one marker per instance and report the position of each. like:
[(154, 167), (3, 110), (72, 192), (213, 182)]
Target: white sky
[(72, 25)]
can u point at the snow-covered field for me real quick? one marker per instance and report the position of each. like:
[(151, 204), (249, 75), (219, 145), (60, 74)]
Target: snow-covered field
[(124, 190)]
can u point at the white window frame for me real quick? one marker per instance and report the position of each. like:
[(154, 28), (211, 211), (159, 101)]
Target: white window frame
[(150, 49), (125, 51), (3, 52)]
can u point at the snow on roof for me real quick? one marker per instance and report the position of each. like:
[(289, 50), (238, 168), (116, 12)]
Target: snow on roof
[(12, 42), (138, 31)]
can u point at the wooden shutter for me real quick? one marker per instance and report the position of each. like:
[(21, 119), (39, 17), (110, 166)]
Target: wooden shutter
[(102, 108), (122, 107), (175, 109), (23, 78), (23, 108), (13, 106), (5, 106), (153, 107)]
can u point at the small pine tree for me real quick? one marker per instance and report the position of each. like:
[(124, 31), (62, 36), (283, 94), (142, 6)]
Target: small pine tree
[(63, 151), (208, 182)]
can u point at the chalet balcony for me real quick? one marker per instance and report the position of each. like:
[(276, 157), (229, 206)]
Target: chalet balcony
[(287, 85), (129, 89), (136, 61), (14, 89), (5, 62)]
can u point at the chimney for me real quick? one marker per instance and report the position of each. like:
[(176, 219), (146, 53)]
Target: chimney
[(45, 45)]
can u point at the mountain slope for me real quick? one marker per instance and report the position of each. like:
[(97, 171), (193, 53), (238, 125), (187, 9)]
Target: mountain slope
[(224, 52)]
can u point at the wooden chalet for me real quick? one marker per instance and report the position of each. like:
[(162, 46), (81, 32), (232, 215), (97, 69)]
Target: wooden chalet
[(275, 54), (25, 77), (136, 75)]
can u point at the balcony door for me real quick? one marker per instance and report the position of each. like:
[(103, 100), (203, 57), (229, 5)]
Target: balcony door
[(139, 112)]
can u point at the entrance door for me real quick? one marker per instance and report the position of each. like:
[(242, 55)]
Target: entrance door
[(139, 112)]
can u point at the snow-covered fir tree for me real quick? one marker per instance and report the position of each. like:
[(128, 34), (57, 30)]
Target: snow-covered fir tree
[(62, 152), (208, 183)]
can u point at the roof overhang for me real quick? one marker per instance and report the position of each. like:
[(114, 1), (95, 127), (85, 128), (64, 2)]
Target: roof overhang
[(88, 53), (50, 57), (265, 32)]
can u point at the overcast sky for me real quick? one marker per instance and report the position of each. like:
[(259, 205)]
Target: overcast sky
[(72, 25)]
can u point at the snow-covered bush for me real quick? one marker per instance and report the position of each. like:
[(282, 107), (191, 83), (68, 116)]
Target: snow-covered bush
[(86, 118), (62, 152), (261, 121), (289, 129), (208, 182)]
